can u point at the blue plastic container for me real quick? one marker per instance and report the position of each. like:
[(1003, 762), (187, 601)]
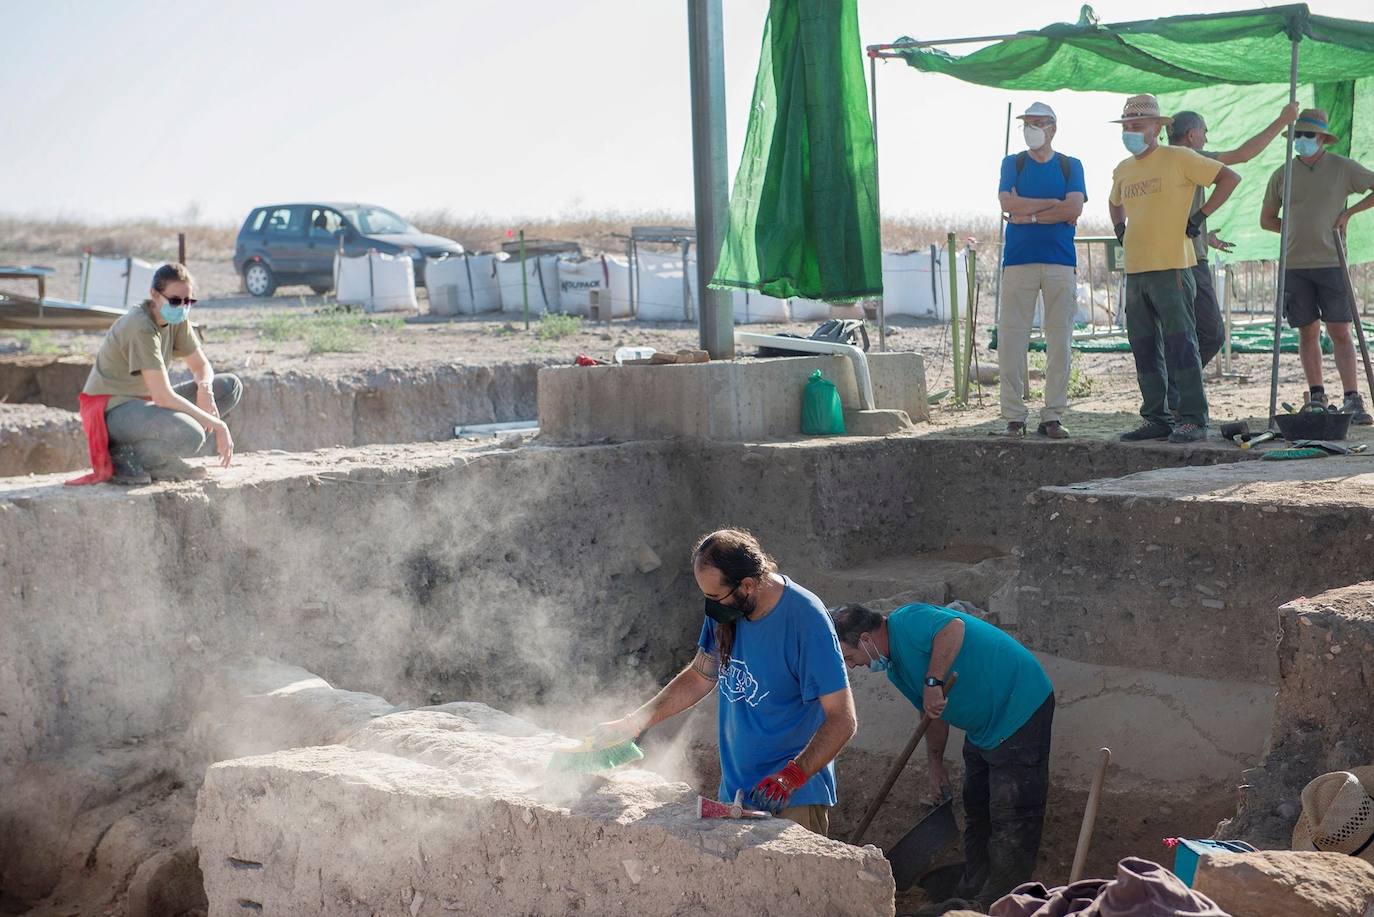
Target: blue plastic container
[(1187, 854)]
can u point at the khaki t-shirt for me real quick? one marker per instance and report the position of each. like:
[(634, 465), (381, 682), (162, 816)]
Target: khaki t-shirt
[(1319, 193), (135, 343), (1156, 191)]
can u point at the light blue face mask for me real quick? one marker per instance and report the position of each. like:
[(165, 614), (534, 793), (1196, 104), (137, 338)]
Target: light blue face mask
[(1306, 146), (877, 662), (172, 315), (1134, 141)]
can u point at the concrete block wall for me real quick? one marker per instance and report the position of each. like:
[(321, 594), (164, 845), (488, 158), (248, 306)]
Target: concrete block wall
[(732, 401)]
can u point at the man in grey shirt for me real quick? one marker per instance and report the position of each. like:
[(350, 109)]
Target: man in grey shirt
[(1190, 130)]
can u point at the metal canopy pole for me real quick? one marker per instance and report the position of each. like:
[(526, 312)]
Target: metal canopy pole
[(877, 196), (1283, 242), (1001, 243), (706, 54)]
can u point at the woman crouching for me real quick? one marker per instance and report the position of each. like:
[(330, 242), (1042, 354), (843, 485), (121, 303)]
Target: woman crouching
[(151, 426)]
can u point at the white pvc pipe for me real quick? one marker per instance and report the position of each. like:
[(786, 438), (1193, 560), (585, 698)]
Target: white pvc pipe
[(855, 354), (481, 429)]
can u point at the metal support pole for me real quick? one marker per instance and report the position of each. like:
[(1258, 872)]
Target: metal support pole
[(181, 248), (873, 97), (524, 280), (706, 55), (954, 316), (1359, 320), (1283, 242), (1228, 281)]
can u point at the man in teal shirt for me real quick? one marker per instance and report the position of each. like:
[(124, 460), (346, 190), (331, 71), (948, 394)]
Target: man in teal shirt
[(1004, 702)]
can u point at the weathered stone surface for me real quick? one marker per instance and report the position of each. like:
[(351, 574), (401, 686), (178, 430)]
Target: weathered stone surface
[(453, 809), (36, 439), (1321, 717), (1277, 883)]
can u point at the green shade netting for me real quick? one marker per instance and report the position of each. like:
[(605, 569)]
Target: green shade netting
[(804, 208), (1232, 68), (1257, 337)]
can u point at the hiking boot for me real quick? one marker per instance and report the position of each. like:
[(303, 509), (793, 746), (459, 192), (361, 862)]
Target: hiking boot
[(177, 470), (1015, 429), (127, 471), (1052, 429), (1146, 431), (1354, 404), (1314, 401), (1188, 433)]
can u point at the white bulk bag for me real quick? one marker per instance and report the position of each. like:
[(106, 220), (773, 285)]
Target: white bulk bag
[(755, 307), (577, 278), (659, 294), (810, 310), (910, 289), (541, 272), (115, 281), (375, 281), (463, 284)]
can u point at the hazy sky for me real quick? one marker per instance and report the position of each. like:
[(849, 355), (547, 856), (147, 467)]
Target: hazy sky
[(160, 108)]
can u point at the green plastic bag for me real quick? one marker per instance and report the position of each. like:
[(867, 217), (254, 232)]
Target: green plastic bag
[(822, 414)]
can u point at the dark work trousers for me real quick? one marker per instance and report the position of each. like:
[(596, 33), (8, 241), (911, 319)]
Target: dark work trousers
[(1211, 329), (1004, 808), (143, 435), (1160, 327)]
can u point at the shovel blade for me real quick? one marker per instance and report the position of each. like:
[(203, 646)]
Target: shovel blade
[(913, 855)]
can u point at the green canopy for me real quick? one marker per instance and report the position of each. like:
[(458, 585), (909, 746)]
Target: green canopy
[(1232, 68), (804, 208)]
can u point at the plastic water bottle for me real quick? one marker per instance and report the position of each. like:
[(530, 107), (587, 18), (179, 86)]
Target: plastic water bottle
[(634, 353)]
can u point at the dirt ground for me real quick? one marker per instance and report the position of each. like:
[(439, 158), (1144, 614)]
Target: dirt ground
[(238, 333)]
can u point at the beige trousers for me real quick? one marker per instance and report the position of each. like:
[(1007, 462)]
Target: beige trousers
[(815, 819), (1021, 284)]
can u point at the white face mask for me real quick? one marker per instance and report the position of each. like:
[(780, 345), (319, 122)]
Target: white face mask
[(1306, 146), (1035, 136)]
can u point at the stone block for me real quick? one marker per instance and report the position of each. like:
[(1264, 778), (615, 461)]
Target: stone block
[(453, 809), (1280, 883)]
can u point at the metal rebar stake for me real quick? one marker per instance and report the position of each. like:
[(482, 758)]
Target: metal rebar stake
[(1283, 243)]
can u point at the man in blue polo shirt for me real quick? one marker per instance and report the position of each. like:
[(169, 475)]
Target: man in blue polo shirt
[(1003, 701), (1042, 195), (768, 647)]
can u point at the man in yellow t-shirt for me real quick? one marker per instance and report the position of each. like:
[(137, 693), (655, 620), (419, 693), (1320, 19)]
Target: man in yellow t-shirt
[(1151, 206)]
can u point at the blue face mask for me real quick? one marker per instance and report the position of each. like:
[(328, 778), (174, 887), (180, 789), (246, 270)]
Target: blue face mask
[(1306, 146), (172, 315), (877, 662), (1134, 141)]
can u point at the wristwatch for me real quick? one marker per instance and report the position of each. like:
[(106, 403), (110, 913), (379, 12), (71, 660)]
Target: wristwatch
[(933, 682)]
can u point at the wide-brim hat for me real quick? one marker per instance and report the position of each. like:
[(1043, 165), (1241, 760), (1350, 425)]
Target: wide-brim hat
[(1338, 814), (1142, 106), (1314, 119)]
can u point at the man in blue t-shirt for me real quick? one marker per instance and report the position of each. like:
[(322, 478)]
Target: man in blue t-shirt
[(1042, 194), (786, 710), (1003, 701)]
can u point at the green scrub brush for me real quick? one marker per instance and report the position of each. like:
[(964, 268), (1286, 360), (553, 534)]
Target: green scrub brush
[(588, 757)]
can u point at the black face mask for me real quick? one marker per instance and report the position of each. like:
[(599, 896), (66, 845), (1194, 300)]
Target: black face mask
[(721, 613)]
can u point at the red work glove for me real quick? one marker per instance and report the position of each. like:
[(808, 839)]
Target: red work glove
[(772, 792)]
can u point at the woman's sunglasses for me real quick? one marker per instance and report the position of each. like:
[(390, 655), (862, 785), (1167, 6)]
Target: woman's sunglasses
[(178, 301)]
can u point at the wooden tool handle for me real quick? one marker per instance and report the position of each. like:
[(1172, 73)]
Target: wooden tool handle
[(1085, 833), (895, 771)]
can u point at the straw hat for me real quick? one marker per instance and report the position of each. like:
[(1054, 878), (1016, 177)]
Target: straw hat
[(1338, 814), (1142, 106), (1314, 119), (1038, 110)]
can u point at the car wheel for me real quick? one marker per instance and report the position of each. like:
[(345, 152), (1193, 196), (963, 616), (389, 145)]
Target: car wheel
[(321, 290), (258, 279)]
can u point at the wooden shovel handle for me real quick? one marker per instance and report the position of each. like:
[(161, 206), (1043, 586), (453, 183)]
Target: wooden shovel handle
[(1085, 833), (895, 771)]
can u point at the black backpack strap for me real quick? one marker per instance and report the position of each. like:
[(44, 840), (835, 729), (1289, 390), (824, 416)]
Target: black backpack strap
[(1058, 157), (1020, 166), (1064, 168)]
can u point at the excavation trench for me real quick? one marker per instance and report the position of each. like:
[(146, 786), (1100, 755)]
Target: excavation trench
[(552, 584)]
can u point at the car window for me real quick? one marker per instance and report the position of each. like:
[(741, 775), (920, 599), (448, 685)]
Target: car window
[(255, 222), (283, 221), (375, 221), (324, 223)]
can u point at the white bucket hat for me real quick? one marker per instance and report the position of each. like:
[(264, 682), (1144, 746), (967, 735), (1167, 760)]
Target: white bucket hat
[(1338, 814), (1038, 110)]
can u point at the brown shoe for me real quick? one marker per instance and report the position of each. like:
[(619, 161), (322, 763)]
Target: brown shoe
[(1015, 428), (1053, 429)]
